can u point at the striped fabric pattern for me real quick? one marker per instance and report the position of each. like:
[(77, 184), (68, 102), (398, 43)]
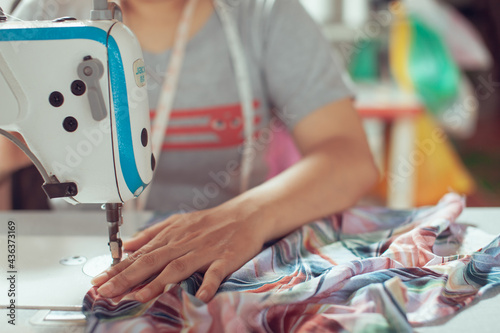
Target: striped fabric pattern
[(368, 269)]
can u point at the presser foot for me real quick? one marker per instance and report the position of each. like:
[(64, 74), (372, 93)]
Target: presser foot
[(115, 220)]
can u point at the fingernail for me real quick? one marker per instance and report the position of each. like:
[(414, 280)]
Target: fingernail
[(106, 289), (100, 279), (143, 295), (202, 295)]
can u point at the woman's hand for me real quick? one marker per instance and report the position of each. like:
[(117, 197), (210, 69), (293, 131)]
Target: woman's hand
[(215, 242)]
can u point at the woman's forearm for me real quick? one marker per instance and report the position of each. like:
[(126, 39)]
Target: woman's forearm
[(331, 178)]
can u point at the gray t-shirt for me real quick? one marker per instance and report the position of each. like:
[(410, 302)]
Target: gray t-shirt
[(293, 73)]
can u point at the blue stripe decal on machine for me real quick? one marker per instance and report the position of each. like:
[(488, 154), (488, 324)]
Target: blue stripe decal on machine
[(117, 78)]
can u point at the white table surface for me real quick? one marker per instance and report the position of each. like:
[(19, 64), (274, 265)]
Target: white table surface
[(43, 283), (43, 239)]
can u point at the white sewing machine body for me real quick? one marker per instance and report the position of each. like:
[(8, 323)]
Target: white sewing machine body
[(76, 92)]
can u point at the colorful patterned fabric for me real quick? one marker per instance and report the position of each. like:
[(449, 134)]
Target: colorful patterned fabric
[(368, 269)]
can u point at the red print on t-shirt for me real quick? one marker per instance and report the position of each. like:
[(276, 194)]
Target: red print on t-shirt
[(214, 127)]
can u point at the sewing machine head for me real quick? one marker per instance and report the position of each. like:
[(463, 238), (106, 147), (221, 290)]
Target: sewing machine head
[(76, 92)]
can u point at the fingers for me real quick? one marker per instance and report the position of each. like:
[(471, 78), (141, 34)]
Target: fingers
[(212, 280), (123, 277), (175, 264), (115, 270), (144, 237), (141, 239), (137, 242), (177, 270), (143, 244)]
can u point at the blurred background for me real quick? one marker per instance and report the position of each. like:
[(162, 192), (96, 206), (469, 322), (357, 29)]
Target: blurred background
[(427, 78), (423, 68), (441, 57)]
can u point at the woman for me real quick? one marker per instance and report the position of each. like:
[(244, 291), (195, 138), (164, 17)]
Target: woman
[(293, 76)]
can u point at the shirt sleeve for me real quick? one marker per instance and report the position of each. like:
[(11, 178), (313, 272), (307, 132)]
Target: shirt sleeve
[(301, 71)]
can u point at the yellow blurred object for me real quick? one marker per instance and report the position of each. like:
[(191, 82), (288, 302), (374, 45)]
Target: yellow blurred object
[(442, 170), (400, 48), (434, 163)]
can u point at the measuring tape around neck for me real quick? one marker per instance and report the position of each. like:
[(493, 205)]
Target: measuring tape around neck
[(244, 84)]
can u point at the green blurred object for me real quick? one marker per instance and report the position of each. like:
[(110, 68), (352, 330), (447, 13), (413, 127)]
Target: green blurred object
[(433, 73), (364, 63), (435, 76)]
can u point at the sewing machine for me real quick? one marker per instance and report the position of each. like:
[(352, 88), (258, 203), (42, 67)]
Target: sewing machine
[(76, 92)]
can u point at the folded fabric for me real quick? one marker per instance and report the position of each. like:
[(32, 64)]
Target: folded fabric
[(368, 269)]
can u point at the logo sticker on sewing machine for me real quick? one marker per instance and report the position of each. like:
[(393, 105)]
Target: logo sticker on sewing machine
[(140, 73)]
